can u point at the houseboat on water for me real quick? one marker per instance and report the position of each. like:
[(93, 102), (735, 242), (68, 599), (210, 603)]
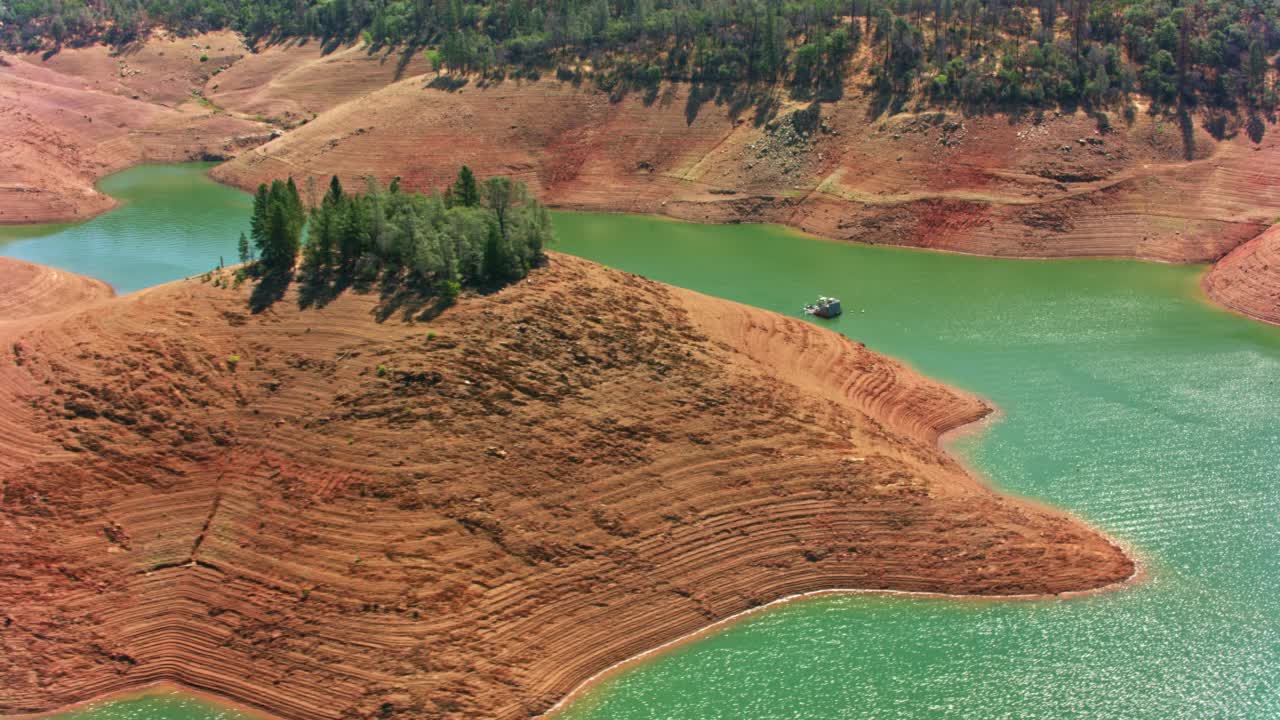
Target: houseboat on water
[(826, 307)]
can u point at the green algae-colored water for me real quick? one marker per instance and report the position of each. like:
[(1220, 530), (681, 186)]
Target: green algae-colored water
[(157, 704), (1125, 398), (172, 222)]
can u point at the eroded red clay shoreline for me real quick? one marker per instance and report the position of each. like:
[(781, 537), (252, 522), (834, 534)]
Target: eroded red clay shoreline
[(160, 687), (1248, 279), (28, 290), (1054, 185), (577, 469)]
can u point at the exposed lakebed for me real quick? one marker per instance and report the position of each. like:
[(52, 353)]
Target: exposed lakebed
[(1125, 398)]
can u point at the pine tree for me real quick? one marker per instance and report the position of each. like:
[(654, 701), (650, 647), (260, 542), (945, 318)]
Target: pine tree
[(1256, 70), (277, 224), (496, 264), (246, 254), (258, 222), (500, 194), (279, 221), (334, 196), (320, 236), (466, 193), (297, 215), (353, 239)]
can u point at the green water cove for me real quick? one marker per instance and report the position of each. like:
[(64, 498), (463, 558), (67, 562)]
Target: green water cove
[(1125, 397), (172, 222)]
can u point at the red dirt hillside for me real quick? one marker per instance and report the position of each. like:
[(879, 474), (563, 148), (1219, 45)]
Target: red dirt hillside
[(28, 290), (331, 517), (83, 113), (987, 185), (294, 81), (1046, 185), (1248, 280)]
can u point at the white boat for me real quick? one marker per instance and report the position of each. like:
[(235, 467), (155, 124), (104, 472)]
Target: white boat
[(826, 307)]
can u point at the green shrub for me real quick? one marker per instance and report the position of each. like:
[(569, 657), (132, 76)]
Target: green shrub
[(449, 291)]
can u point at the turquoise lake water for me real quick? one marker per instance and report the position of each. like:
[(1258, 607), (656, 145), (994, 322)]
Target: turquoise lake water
[(172, 222), (1125, 396)]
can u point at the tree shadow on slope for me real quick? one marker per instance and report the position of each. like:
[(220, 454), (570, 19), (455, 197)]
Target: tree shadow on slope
[(412, 302), (885, 101), (263, 41), (272, 286), (1255, 128), (699, 94), (736, 100), (447, 83), (397, 293), (317, 290), (1188, 129), (406, 57), (330, 44)]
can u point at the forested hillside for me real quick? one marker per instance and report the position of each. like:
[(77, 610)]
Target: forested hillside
[(986, 53)]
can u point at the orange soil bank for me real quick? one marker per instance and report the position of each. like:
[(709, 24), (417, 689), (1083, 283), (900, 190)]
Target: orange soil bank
[(327, 516), (1248, 279)]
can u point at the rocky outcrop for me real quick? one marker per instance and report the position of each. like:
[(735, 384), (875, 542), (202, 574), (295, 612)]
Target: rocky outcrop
[(1248, 279), (327, 516)]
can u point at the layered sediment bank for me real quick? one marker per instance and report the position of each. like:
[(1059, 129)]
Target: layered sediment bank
[(28, 290), (73, 117), (1046, 185), (1248, 279), (324, 515)]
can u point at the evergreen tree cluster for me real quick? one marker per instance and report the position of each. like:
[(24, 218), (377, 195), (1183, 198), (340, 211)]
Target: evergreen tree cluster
[(276, 226), (978, 52), (475, 234)]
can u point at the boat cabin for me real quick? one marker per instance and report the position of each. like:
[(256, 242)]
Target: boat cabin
[(825, 307)]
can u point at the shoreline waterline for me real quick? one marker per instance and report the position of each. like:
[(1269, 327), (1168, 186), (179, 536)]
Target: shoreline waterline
[(1138, 500), (153, 688), (171, 220), (214, 698), (974, 427), (118, 204)]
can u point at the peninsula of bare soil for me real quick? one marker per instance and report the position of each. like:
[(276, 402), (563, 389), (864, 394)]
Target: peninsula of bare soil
[(327, 516)]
